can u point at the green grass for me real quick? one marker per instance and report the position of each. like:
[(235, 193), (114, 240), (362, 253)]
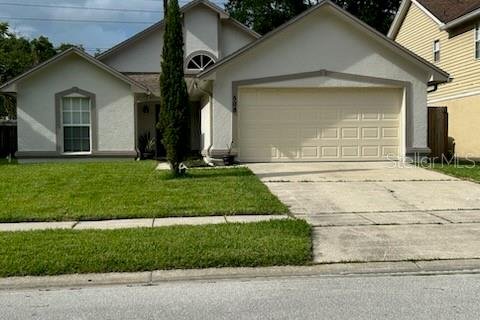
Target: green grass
[(130, 250), (115, 190), (465, 171), (5, 162)]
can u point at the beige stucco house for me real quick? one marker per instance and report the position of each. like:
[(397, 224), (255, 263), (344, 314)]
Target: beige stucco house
[(447, 33), (322, 87)]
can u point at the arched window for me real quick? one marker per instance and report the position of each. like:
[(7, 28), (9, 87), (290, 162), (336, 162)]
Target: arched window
[(199, 62)]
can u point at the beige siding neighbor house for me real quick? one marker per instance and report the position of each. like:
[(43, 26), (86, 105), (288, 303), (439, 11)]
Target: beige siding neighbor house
[(322, 87), (447, 34)]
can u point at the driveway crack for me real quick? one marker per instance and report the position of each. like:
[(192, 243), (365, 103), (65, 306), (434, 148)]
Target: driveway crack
[(394, 195)]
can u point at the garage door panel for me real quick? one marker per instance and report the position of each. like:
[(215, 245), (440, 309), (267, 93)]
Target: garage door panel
[(319, 124)]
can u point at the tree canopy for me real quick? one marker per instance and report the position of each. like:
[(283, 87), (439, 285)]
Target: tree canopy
[(266, 15)]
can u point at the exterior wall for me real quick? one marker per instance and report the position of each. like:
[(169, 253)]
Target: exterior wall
[(201, 30), (205, 123), (457, 55), (36, 106), (232, 38), (463, 116), (143, 55), (327, 42)]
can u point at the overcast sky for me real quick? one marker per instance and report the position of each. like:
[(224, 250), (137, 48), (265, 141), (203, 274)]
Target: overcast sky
[(91, 35)]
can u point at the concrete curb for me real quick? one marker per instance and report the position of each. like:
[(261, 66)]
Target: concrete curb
[(156, 277)]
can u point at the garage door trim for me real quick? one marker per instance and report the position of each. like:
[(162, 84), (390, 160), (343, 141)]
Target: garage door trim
[(405, 120)]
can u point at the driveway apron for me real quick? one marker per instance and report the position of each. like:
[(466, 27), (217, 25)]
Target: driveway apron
[(379, 211)]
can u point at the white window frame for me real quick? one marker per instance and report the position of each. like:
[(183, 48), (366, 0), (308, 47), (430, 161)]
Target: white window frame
[(476, 32), (435, 51), (77, 125), (203, 66)]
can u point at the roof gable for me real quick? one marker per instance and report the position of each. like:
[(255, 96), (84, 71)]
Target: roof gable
[(72, 51), (159, 25), (438, 74)]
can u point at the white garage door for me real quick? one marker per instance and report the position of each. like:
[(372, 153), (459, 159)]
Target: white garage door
[(319, 124)]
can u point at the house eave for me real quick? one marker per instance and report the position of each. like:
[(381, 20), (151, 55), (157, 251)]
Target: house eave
[(399, 17), (461, 20), (402, 13)]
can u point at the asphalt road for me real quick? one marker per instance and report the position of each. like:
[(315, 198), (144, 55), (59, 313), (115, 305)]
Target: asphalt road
[(370, 297)]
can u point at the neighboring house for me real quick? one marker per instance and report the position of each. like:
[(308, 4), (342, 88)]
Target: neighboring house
[(447, 33), (324, 86)]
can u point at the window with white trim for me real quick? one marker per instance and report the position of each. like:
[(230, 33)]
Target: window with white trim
[(477, 41), (436, 50), (200, 62), (76, 119)]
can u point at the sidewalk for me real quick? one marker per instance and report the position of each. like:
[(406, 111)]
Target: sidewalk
[(136, 223)]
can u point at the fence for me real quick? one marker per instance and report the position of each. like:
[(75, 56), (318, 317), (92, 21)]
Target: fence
[(438, 131), (8, 137)]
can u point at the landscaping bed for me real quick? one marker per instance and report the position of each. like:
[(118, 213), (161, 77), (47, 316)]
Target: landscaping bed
[(116, 190), (57, 252)]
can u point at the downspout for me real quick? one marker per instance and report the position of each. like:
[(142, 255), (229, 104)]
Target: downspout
[(433, 89), (210, 98), (435, 84)]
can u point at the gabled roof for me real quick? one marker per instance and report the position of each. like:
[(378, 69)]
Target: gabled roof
[(449, 10), (446, 13), (223, 15), (81, 54), (355, 21)]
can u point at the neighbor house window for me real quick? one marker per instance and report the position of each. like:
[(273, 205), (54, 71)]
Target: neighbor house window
[(436, 50), (477, 41), (76, 124)]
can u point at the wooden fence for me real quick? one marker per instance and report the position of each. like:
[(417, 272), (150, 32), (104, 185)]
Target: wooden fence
[(438, 131), (8, 137)]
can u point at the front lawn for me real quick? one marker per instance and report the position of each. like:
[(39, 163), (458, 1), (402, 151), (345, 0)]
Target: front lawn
[(271, 243), (464, 171), (115, 190)]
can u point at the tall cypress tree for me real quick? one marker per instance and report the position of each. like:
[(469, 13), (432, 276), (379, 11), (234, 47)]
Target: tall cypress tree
[(174, 97)]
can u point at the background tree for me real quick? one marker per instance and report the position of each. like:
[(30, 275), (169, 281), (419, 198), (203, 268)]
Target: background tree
[(65, 46), (42, 49), (19, 54), (265, 15), (174, 97)]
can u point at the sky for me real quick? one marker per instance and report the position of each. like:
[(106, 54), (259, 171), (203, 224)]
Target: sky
[(92, 35)]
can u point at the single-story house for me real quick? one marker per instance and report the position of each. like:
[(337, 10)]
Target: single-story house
[(322, 87)]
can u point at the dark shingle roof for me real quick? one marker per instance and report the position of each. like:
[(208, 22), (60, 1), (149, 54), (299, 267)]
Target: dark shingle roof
[(449, 10), (149, 80)]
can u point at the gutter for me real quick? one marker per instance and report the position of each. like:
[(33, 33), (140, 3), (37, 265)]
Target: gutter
[(435, 84), (459, 21)]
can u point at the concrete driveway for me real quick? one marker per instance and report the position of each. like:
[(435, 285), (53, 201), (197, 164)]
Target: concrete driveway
[(379, 211)]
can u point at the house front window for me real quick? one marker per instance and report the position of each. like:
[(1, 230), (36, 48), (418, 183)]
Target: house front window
[(76, 119), (477, 41), (436, 50)]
